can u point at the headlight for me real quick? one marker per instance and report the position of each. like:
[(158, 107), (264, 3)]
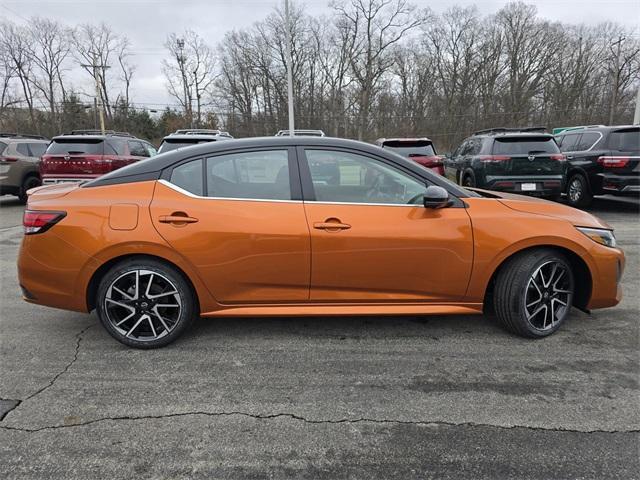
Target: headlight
[(600, 235)]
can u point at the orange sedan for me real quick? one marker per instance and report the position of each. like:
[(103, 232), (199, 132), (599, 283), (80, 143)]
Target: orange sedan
[(305, 226)]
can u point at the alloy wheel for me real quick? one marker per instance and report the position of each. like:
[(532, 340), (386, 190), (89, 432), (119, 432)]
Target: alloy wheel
[(575, 189), (143, 305), (548, 295)]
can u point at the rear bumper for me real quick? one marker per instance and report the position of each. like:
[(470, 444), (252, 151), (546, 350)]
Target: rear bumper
[(620, 184), (546, 186)]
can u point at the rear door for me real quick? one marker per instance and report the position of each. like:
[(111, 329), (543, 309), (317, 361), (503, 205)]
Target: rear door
[(238, 218), (372, 240)]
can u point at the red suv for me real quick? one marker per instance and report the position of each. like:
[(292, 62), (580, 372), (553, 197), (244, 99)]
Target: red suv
[(86, 154), (420, 150)]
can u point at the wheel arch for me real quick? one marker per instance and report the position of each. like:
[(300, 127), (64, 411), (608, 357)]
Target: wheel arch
[(581, 272), (94, 281)]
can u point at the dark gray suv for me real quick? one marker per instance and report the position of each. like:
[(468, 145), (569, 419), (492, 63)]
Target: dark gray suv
[(19, 158)]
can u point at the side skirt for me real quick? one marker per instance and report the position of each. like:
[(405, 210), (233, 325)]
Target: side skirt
[(341, 309)]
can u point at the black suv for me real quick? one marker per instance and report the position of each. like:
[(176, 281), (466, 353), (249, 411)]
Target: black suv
[(601, 160), (525, 160)]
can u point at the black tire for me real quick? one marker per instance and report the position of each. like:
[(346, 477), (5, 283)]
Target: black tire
[(28, 183), (468, 179), (578, 191), (167, 280), (513, 290)]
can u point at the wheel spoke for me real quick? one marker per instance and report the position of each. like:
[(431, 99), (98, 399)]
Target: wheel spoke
[(159, 295), (120, 304), (546, 311), (148, 290), (124, 294), (153, 329), (135, 325), (125, 318), (137, 287), (155, 310), (536, 311)]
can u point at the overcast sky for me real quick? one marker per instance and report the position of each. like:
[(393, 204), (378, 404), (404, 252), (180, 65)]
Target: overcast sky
[(147, 23)]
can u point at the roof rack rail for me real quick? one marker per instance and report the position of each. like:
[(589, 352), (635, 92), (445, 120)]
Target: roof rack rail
[(99, 132), (497, 130), (22, 135), (197, 131)]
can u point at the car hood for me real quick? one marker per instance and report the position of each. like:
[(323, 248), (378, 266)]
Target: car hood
[(539, 206)]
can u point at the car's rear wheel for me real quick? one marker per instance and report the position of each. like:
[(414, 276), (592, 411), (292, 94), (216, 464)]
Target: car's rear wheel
[(534, 292), (468, 180), (578, 192), (145, 303), (28, 183)]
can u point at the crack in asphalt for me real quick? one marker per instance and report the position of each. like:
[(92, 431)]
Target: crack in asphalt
[(309, 421), (56, 376)]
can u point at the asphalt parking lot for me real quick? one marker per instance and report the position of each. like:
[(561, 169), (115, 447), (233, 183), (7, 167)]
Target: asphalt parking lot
[(400, 397)]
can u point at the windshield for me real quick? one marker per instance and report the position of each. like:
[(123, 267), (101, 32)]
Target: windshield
[(625, 140), (525, 145), (64, 146), (411, 149), (173, 144)]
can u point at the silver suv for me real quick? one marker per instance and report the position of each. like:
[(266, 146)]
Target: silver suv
[(19, 163)]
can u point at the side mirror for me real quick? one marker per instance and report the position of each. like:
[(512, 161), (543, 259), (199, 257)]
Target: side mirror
[(436, 197)]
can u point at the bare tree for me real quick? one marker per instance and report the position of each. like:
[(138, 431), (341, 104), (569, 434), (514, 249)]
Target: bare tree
[(190, 72)]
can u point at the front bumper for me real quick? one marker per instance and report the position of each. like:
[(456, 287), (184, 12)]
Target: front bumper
[(607, 271)]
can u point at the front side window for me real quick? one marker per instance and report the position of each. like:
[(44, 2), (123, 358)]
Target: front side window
[(188, 176), (260, 175), (351, 178)]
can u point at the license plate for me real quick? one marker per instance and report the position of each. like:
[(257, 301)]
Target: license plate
[(528, 187)]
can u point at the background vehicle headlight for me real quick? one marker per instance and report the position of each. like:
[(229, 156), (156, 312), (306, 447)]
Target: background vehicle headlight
[(600, 235)]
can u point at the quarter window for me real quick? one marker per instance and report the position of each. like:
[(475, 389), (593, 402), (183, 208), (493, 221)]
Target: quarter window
[(23, 149), (188, 176), (136, 149), (352, 178), (260, 175)]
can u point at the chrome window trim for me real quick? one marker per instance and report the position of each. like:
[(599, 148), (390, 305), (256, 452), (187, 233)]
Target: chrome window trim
[(192, 195)]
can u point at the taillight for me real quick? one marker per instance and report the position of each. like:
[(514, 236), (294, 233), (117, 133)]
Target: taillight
[(8, 159), (559, 157), (494, 158), (38, 221), (429, 161), (613, 162)]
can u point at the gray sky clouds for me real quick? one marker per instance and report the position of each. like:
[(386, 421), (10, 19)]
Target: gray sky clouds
[(147, 22)]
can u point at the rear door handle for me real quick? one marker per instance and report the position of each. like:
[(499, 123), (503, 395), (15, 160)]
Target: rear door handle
[(331, 224), (183, 218)]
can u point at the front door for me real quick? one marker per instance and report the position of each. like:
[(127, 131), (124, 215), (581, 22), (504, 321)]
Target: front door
[(372, 240), (238, 219)]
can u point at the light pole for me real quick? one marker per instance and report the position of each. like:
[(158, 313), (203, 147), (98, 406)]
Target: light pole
[(287, 29)]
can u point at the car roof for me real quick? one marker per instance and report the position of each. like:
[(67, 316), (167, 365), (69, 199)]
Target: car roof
[(404, 139), (150, 169), (195, 136), (598, 128), (79, 138), (24, 137)]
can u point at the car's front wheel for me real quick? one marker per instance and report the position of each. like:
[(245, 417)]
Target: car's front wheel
[(534, 292), (145, 303)]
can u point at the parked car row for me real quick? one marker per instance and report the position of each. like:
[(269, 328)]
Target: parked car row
[(579, 161)]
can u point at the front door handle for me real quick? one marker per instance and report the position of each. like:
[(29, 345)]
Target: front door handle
[(331, 225), (178, 218)]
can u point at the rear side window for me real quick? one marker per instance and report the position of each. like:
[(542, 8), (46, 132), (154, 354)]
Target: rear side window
[(568, 142), (411, 149), (137, 149), (188, 176), (524, 145), (37, 149), (587, 140), (115, 146), (90, 146), (23, 149), (625, 140), (2, 147), (252, 175)]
